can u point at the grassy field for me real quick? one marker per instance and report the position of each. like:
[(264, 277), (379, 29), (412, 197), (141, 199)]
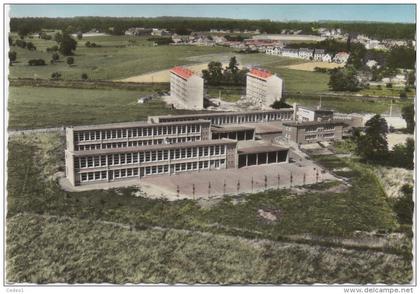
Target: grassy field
[(384, 91), (53, 107), (33, 160), (117, 58), (350, 104), (121, 57), (229, 94), (96, 253)]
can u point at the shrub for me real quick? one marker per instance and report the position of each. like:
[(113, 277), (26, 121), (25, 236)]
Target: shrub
[(55, 75), (30, 46), (70, 60), (389, 85), (84, 76), (403, 94), (36, 62)]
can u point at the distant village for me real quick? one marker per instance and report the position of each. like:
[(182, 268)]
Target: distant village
[(277, 44)]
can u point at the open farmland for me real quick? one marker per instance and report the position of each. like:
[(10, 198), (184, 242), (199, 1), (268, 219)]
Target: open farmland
[(118, 57), (55, 107), (349, 104)]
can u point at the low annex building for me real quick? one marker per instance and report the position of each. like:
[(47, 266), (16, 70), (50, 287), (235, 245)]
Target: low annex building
[(187, 87), (313, 131)]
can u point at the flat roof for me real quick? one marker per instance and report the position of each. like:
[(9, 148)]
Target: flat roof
[(260, 148), (224, 113), (230, 128), (134, 124), (271, 127), (154, 147), (314, 123)]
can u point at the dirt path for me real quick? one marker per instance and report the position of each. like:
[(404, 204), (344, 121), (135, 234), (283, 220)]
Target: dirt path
[(310, 66), (162, 76)]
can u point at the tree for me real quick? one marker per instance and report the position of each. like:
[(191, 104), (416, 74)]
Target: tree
[(233, 65), (373, 145), (84, 76), (12, 57), (10, 41), (67, 45), (36, 62), (404, 206), (280, 104), (58, 37), (403, 155), (87, 44), (55, 75), (213, 75), (407, 113), (70, 60), (344, 79), (30, 46), (55, 57), (411, 79), (79, 35)]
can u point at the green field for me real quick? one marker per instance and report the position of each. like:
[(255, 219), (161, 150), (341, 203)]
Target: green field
[(53, 107), (321, 212), (96, 253), (124, 56), (118, 58), (350, 104)]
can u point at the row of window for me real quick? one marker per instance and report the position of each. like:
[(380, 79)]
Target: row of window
[(81, 136), (150, 170), (326, 135), (319, 129), (136, 143), (237, 118), (147, 156)]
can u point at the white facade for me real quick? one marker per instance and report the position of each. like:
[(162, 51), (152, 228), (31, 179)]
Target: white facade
[(187, 88), (294, 53), (327, 58), (263, 88), (306, 53)]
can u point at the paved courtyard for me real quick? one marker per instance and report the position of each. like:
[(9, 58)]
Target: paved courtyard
[(216, 183)]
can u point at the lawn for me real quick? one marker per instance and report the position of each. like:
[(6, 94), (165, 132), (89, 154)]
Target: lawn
[(118, 57), (385, 91), (350, 104), (227, 93), (34, 159), (53, 107)]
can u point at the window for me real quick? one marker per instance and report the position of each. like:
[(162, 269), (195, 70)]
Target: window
[(83, 177), (103, 174), (82, 162)]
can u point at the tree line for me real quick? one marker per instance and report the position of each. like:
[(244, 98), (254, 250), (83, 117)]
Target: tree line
[(379, 30)]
